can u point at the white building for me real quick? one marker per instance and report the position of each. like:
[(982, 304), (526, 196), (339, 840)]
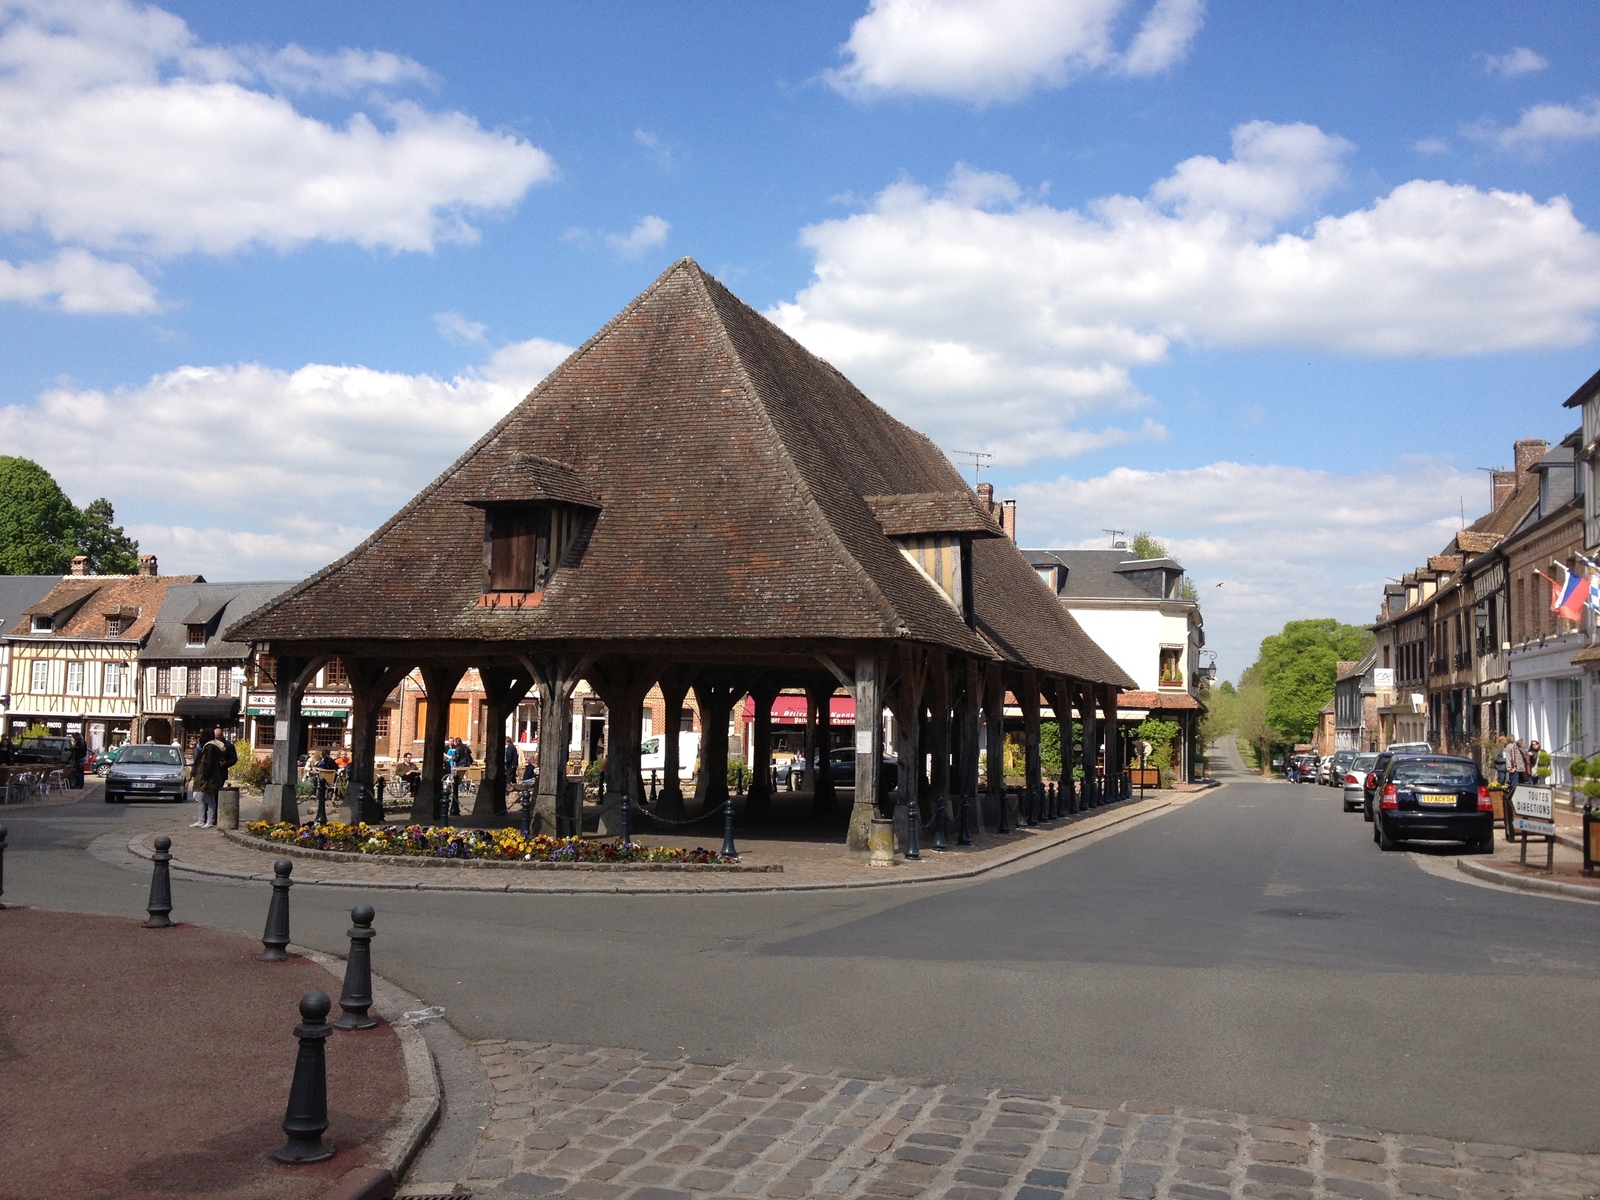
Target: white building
[(1141, 613)]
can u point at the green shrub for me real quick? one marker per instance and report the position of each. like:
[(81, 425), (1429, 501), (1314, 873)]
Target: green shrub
[(1579, 768), (738, 774), (1591, 789)]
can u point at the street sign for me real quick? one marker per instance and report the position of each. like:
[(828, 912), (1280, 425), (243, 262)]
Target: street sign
[(1535, 802), (1541, 828)]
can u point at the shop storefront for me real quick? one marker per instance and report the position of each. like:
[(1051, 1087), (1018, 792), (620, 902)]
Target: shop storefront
[(327, 721)]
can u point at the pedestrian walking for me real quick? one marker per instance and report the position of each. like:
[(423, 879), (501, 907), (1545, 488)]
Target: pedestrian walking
[(1516, 763), (80, 751), (1499, 761), (209, 774)]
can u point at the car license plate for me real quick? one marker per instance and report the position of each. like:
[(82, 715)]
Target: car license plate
[(144, 785), (1437, 799)]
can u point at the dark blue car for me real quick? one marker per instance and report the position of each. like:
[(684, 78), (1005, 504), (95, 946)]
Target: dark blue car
[(1434, 798)]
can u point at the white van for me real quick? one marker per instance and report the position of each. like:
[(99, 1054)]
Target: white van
[(653, 754)]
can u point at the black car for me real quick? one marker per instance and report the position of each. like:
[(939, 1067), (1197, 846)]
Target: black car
[(146, 771), (842, 770), (1434, 798), (44, 751)]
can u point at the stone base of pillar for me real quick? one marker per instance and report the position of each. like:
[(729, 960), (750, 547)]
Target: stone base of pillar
[(669, 803), (857, 841), (280, 802), (1014, 817)]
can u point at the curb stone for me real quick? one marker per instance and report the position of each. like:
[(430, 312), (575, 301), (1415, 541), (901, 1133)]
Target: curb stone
[(1549, 887), (1072, 833)]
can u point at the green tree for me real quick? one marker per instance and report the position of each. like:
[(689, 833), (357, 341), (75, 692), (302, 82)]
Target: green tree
[(1221, 712), (1146, 546), (38, 524), (1253, 725), (1297, 668), (110, 550)]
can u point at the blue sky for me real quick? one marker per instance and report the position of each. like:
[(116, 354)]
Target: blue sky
[(1271, 281)]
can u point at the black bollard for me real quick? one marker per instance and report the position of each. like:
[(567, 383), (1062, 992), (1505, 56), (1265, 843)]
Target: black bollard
[(276, 937), (728, 848), (383, 784), (939, 844), (913, 819), (305, 1119), (356, 997), (625, 837), (527, 811), (1031, 806), (964, 828), (652, 789), (2, 862), (160, 904)]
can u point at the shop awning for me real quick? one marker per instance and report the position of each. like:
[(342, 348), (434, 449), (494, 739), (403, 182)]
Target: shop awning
[(206, 708), (790, 709)]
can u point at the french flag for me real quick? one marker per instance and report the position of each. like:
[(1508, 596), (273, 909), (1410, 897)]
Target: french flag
[(1574, 593)]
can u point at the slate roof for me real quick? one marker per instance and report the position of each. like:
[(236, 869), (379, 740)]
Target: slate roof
[(19, 593), (81, 604), (188, 604), (731, 469), (1100, 574)]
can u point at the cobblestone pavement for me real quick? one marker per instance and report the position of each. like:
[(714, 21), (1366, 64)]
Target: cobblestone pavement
[(600, 1124)]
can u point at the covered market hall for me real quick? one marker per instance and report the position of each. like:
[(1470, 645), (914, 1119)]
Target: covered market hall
[(694, 501)]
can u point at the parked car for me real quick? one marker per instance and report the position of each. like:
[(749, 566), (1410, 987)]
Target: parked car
[(100, 762), (842, 770), (1355, 778), (1410, 748), (1302, 768), (1433, 797), (1325, 769), (146, 771), (1341, 764), (653, 754), (44, 751), (1369, 785)]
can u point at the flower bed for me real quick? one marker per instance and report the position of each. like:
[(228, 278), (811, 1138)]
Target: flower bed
[(493, 845)]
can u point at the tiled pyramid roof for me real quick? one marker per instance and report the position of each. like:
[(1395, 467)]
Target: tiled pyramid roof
[(731, 469)]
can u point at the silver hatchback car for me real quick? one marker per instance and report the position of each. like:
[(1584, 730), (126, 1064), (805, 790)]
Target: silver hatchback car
[(1355, 776)]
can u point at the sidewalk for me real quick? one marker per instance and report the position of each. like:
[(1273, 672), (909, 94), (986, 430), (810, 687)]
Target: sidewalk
[(791, 863), (1505, 866), (607, 1124), (143, 1063)]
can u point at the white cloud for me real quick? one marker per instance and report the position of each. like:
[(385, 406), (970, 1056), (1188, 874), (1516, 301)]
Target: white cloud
[(995, 321), (1542, 126), (647, 234), (657, 149), (1431, 145), (289, 468), (75, 281), (453, 327), (1518, 61), (120, 132), (986, 50), (1284, 542)]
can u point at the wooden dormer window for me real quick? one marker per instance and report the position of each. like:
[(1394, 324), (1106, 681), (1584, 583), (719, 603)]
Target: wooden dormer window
[(113, 627), (196, 635), (523, 544)]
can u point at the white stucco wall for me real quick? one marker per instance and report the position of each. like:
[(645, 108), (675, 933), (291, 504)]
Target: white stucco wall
[(1133, 636)]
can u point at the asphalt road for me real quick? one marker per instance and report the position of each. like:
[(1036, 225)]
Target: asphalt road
[(1251, 950)]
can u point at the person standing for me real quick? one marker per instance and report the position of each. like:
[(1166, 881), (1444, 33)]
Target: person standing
[(209, 775), (80, 751), (1533, 768), (513, 760), (1499, 761), (1516, 763)]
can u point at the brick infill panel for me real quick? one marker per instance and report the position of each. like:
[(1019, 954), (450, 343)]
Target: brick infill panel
[(613, 1124)]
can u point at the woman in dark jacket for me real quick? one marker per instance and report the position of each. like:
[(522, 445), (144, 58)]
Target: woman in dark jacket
[(209, 776)]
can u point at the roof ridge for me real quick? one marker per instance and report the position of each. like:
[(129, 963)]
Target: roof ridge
[(471, 451), (802, 487)]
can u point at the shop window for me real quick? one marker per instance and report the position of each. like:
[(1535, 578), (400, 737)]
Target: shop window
[(266, 733)]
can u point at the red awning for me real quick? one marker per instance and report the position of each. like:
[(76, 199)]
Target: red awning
[(790, 709)]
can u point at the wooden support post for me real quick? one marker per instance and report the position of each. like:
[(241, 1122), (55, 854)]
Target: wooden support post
[(279, 801), (716, 696), (1113, 745), (819, 718), (371, 681), (503, 690), (907, 707), (971, 718), (555, 677), (439, 682), (1091, 744), (623, 686), (994, 721), (1059, 694), (758, 800), (869, 720), (1033, 767), (674, 683), (939, 736)]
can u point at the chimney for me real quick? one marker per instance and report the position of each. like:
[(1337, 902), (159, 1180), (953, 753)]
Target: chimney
[(986, 497), (147, 564), (1008, 518), (1503, 484), (80, 564), (1528, 451)]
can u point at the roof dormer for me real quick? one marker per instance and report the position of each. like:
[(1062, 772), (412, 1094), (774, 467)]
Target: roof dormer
[(535, 514)]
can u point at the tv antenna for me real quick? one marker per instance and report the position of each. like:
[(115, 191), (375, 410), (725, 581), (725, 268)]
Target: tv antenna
[(978, 460), (1119, 538)]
